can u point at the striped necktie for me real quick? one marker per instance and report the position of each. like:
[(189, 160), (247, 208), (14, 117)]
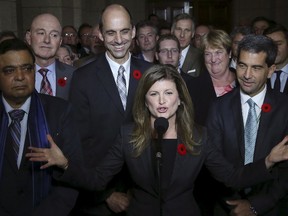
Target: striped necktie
[(45, 84), (15, 128), (121, 84)]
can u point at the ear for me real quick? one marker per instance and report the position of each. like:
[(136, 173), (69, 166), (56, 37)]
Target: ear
[(156, 56), (101, 36), (133, 32), (271, 69), (28, 37)]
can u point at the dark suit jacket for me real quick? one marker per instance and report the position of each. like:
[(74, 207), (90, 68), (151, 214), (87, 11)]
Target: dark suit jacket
[(100, 113), (193, 64), (225, 126), (63, 72), (178, 198), (16, 185), (285, 88)]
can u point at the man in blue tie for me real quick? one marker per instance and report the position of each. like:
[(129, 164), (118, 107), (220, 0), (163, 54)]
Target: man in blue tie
[(247, 123), (26, 118)]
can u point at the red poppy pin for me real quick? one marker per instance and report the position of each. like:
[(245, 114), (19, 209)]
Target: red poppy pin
[(181, 149), (62, 81), (266, 107), (137, 74)]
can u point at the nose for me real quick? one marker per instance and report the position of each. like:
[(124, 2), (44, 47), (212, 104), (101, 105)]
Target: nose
[(118, 38), (182, 34), (169, 53), (19, 74), (47, 38), (247, 73), (161, 99)]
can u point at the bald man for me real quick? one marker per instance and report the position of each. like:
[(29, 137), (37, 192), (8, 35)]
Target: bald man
[(101, 111), (45, 39)]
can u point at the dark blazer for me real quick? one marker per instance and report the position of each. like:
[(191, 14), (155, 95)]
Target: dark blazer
[(64, 75), (178, 198), (16, 185), (225, 126), (193, 64), (100, 113), (285, 88)]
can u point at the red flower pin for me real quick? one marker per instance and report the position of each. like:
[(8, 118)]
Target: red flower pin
[(181, 149), (62, 81), (137, 74), (266, 107)]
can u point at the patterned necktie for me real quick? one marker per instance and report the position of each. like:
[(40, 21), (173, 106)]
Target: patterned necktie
[(15, 128), (121, 84), (277, 84), (250, 132), (45, 84)]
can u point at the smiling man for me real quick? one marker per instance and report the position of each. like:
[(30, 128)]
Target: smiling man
[(251, 108), (102, 93), (45, 39)]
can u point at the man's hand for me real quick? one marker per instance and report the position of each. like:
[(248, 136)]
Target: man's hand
[(118, 202), (240, 208)]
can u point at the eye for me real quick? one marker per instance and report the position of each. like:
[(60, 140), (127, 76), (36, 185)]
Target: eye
[(27, 68), (55, 35), (8, 70), (40, 32)]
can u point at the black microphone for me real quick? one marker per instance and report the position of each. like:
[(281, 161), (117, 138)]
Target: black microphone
[(161, 125)]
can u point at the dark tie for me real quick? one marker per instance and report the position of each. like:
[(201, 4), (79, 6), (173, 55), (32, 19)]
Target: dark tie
[(45, 84), (121, 84), (15, 128), (277, 84), (250, 132)]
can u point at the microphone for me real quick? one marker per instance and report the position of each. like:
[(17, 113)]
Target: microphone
[(161, 125)]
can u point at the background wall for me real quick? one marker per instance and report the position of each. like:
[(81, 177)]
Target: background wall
[(16, 15)]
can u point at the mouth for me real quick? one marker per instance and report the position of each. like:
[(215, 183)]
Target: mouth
[(162, 109)]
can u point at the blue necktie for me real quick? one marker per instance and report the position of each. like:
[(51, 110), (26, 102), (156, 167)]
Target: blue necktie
[(251, 128), (15, 128), (277, 83), (121, 84)]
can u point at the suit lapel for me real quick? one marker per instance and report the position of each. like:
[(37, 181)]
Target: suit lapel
[(238, 121), (108, 82), (264, 122)]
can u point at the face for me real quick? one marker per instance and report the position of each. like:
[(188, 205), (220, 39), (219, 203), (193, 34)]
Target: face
[(282, 44), (252, 72), (200, 31), (216, 61), (260, 26), (85, 36), (235, 41), (117, 34), (63, 56), (45, 37), (147, 38), (169, 53), (69, 36), (183, 31), (17, 76), (162, 100)]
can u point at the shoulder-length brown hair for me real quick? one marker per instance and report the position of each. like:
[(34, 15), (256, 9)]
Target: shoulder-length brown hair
[(143, 132)]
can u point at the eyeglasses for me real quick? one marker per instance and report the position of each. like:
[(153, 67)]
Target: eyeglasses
[(85, 35), (173, 51), (68, 34)]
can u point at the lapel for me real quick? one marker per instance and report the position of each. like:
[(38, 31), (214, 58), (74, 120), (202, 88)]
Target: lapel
[(263, 128), (238, 121), (108, 82), (187, 61), (60, 70)]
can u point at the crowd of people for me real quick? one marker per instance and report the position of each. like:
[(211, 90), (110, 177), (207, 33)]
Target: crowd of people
[(79, 111)]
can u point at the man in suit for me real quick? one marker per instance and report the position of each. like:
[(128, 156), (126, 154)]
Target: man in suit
[(26, 189), (102, 93), (45, 38), (191, 60), (231, 120), (278, 80)]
